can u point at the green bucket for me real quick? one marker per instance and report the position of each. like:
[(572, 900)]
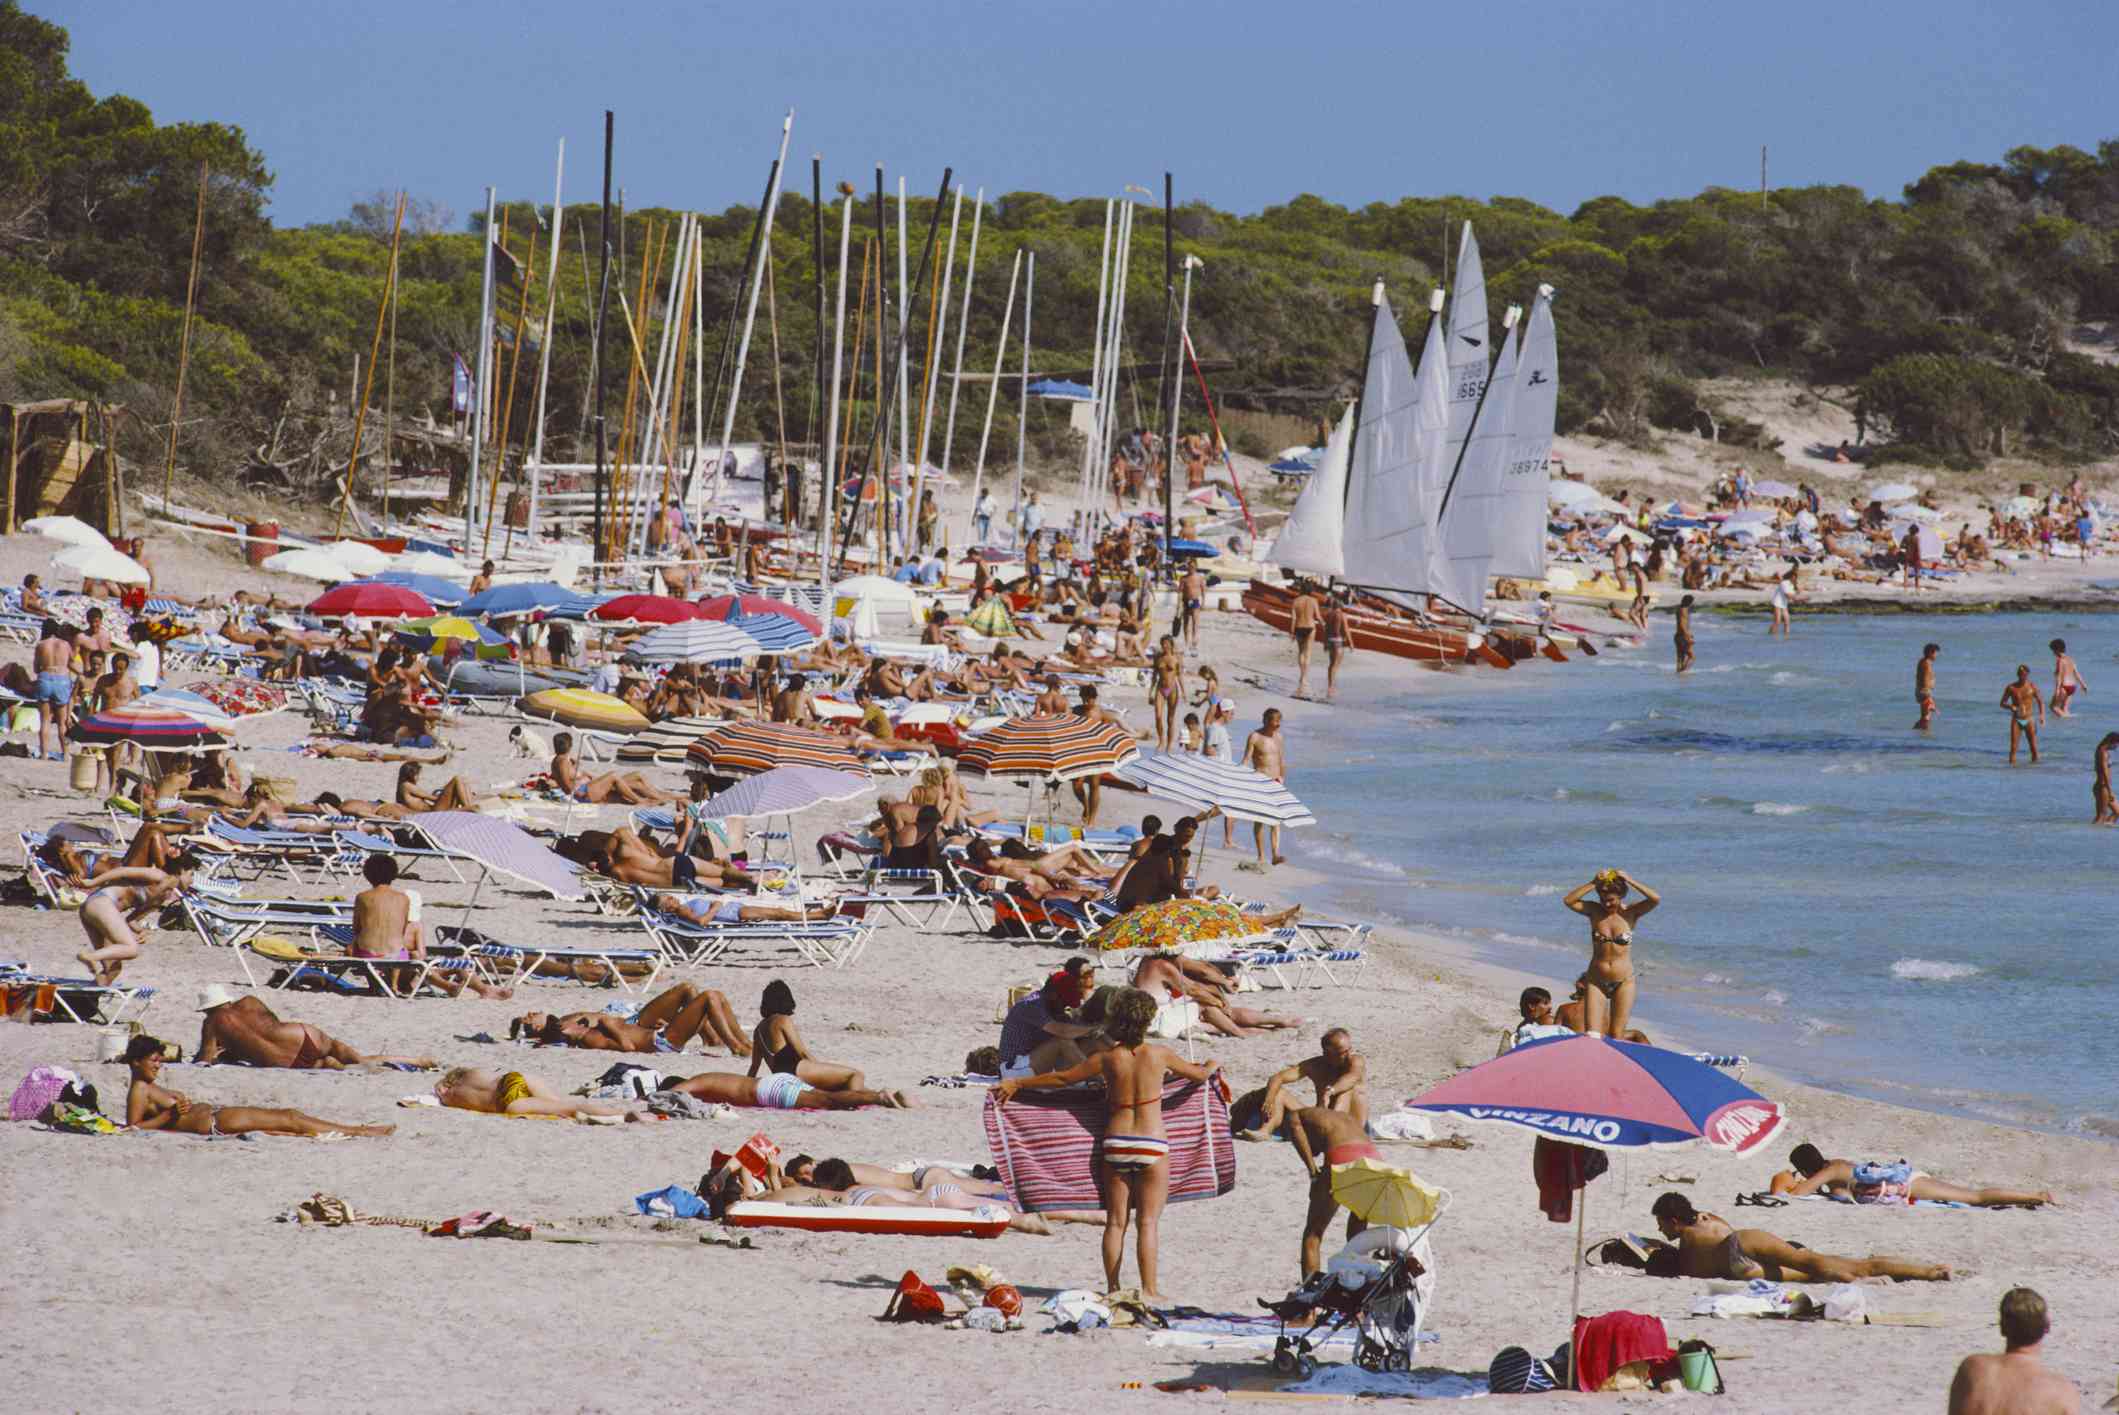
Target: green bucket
[(1697, 1371)]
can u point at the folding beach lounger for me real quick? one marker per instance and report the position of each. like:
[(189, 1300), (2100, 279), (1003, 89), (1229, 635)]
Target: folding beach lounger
[(834, 942), (82, 1000), (228, 923), (289, 965), (286, 852)]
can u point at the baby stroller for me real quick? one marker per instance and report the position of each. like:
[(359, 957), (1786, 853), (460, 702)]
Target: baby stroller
[(1373, 1282)]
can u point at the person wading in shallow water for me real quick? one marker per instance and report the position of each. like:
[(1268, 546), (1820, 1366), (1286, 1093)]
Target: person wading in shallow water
[(2020, 700)]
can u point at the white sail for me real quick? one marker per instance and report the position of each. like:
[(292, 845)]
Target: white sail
[(1469, 356), (1309, 541), (1519, 528), (1464, 545), (1404, 420)]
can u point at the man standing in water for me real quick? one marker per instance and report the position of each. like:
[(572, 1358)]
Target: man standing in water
[(1263, 753), (2101, 789), (2016, 1382), (2067, 678), (1683, 637), (2020, 700), (1924, 686), (1302, 622)]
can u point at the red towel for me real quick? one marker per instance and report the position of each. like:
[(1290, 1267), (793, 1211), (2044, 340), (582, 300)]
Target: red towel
[(1603, 1344), (1560, 1169), (1044, 1144)]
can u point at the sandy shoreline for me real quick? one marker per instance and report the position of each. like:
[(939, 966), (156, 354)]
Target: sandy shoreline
[(159, 1252)]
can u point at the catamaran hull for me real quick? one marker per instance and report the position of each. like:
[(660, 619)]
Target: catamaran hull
[(1373, 633)]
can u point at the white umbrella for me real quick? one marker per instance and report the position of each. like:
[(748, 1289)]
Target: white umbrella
[(100, 562), (1773, 488), (69, 529), (309, 563), (1914, 513), (1562, 492), (1242, 794), (426, 562), (886, 593), (1893, 491), (2018, 506), (1624, 532), (359, 557)]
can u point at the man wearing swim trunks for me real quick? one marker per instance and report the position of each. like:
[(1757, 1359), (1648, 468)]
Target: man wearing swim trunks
[(1133, 1169), (1193, 589), (1326, 1139), (2021, 700), (2067, 678), (1924, 686), (245, 1031), (1683, 637), (53, 659), (1303, 615)]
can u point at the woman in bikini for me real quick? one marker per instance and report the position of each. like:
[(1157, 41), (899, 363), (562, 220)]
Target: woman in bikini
[(151, 1107), (1169, 690), (663, 1024), (120, 899), (779, 1048), (1612, 986)]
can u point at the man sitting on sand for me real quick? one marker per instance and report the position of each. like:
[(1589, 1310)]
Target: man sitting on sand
[(663, 1024), (149, 1106), (1337, 1073), (244, 1031), (512, 1093), (1709, 1247), (1814, 1174), (2017, 1382)]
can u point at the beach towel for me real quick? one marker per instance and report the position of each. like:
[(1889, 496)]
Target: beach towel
[(1044, 1144), (1603, 1344)]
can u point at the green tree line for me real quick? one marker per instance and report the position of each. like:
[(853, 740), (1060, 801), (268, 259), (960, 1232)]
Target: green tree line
[(1946, 313)]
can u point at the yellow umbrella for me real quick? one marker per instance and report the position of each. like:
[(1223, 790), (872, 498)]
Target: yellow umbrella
[(1382, 1194), (581, 707), (444, 626)]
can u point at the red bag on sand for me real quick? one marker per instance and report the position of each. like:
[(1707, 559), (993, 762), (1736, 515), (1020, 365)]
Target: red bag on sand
[(1004, 1298), (914, 1301)]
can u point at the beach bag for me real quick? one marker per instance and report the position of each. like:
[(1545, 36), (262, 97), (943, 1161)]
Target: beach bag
[(914, 1301), (1515, 1371)]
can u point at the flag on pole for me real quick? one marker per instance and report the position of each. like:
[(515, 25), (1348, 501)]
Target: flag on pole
[(460, 390)]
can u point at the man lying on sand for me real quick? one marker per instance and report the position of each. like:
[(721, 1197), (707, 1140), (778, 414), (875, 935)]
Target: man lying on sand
[(151, 1107), (663, 1024), (1814, 1174), (1709, 1247), (512, 1093), (243, 1030), (1163, 980)]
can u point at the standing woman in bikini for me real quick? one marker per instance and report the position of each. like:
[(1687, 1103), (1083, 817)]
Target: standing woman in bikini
[(1612, 986)]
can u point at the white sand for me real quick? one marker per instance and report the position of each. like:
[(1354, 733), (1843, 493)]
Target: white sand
[(146, 1269)]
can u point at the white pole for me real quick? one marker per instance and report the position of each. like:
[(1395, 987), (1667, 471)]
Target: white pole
[(956, 379), (831, 422), (993, 390), (934, 370), (485, 361), (661, 387), (1177, 398), (544, 355), (691, 461), (1022, 402), (750, 316), (1084, 483), (904, 413), (1121, 263)]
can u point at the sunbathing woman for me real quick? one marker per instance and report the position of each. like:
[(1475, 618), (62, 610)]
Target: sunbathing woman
[(512, 1093), (1822, 1176), (362, 810), (151, 847), (836, 1178), (1024, 874), (150, 1107), (776, 1045), (243, 1030), (119, 899), (453, 797), (1612, 921), (1709, 1247), (707, 911), (629, 787), (664, 1024), (261, 808), (779, 1091), (1062, 864)]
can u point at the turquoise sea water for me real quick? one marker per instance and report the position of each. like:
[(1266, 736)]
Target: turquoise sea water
[(1869, 908)]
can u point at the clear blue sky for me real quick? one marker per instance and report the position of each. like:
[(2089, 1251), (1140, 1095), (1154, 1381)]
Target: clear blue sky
[(1249, 103)]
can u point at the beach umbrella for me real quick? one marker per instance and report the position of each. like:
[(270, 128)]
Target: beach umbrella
[(426, 635), (443, 594), (502, 847), (309, 563), (584, 708), (667, 739), (1773, 489), (1893, 491), (693, 641), (1196, 549), (1625, 532), (1056, 745), (1176, 925), (1562, 492), (1609, 1095), (239, 697), (158, 729), (785, 790), (425, 562), (101, 562), (371, 600), (778, 626), (1240, 793), (358, 556), (2017, 506), (883, 592), (191, 705), (1385, 1195), (644, 609), (992, 619), (527, 597), (748, 748), (70, 529)]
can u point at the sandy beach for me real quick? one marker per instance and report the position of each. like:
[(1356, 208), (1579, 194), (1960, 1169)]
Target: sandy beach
[(154, 1261)]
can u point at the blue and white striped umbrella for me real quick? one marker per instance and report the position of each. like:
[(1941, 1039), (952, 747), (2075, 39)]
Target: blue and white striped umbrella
[(441, 593), (693, 641), (1241, 793), (777, 633), (785, 790)]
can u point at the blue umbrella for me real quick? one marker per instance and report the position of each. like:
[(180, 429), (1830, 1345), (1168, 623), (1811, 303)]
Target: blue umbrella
[(1061, 388), (442, 594), (1200, 548), (529, 598)]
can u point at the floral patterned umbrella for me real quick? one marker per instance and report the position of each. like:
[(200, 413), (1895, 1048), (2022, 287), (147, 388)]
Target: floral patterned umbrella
[(1177, 923), (240, 697)]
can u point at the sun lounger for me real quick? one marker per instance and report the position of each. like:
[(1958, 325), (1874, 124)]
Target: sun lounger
[(82, 1000), (263, 852), (287, 965), (229, 923), (1303, 961), (370, 844), (506, 962), (834, 942)]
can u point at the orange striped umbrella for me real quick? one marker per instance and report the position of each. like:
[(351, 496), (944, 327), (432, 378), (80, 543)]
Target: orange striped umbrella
[(1057, 745), (744, 748)]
